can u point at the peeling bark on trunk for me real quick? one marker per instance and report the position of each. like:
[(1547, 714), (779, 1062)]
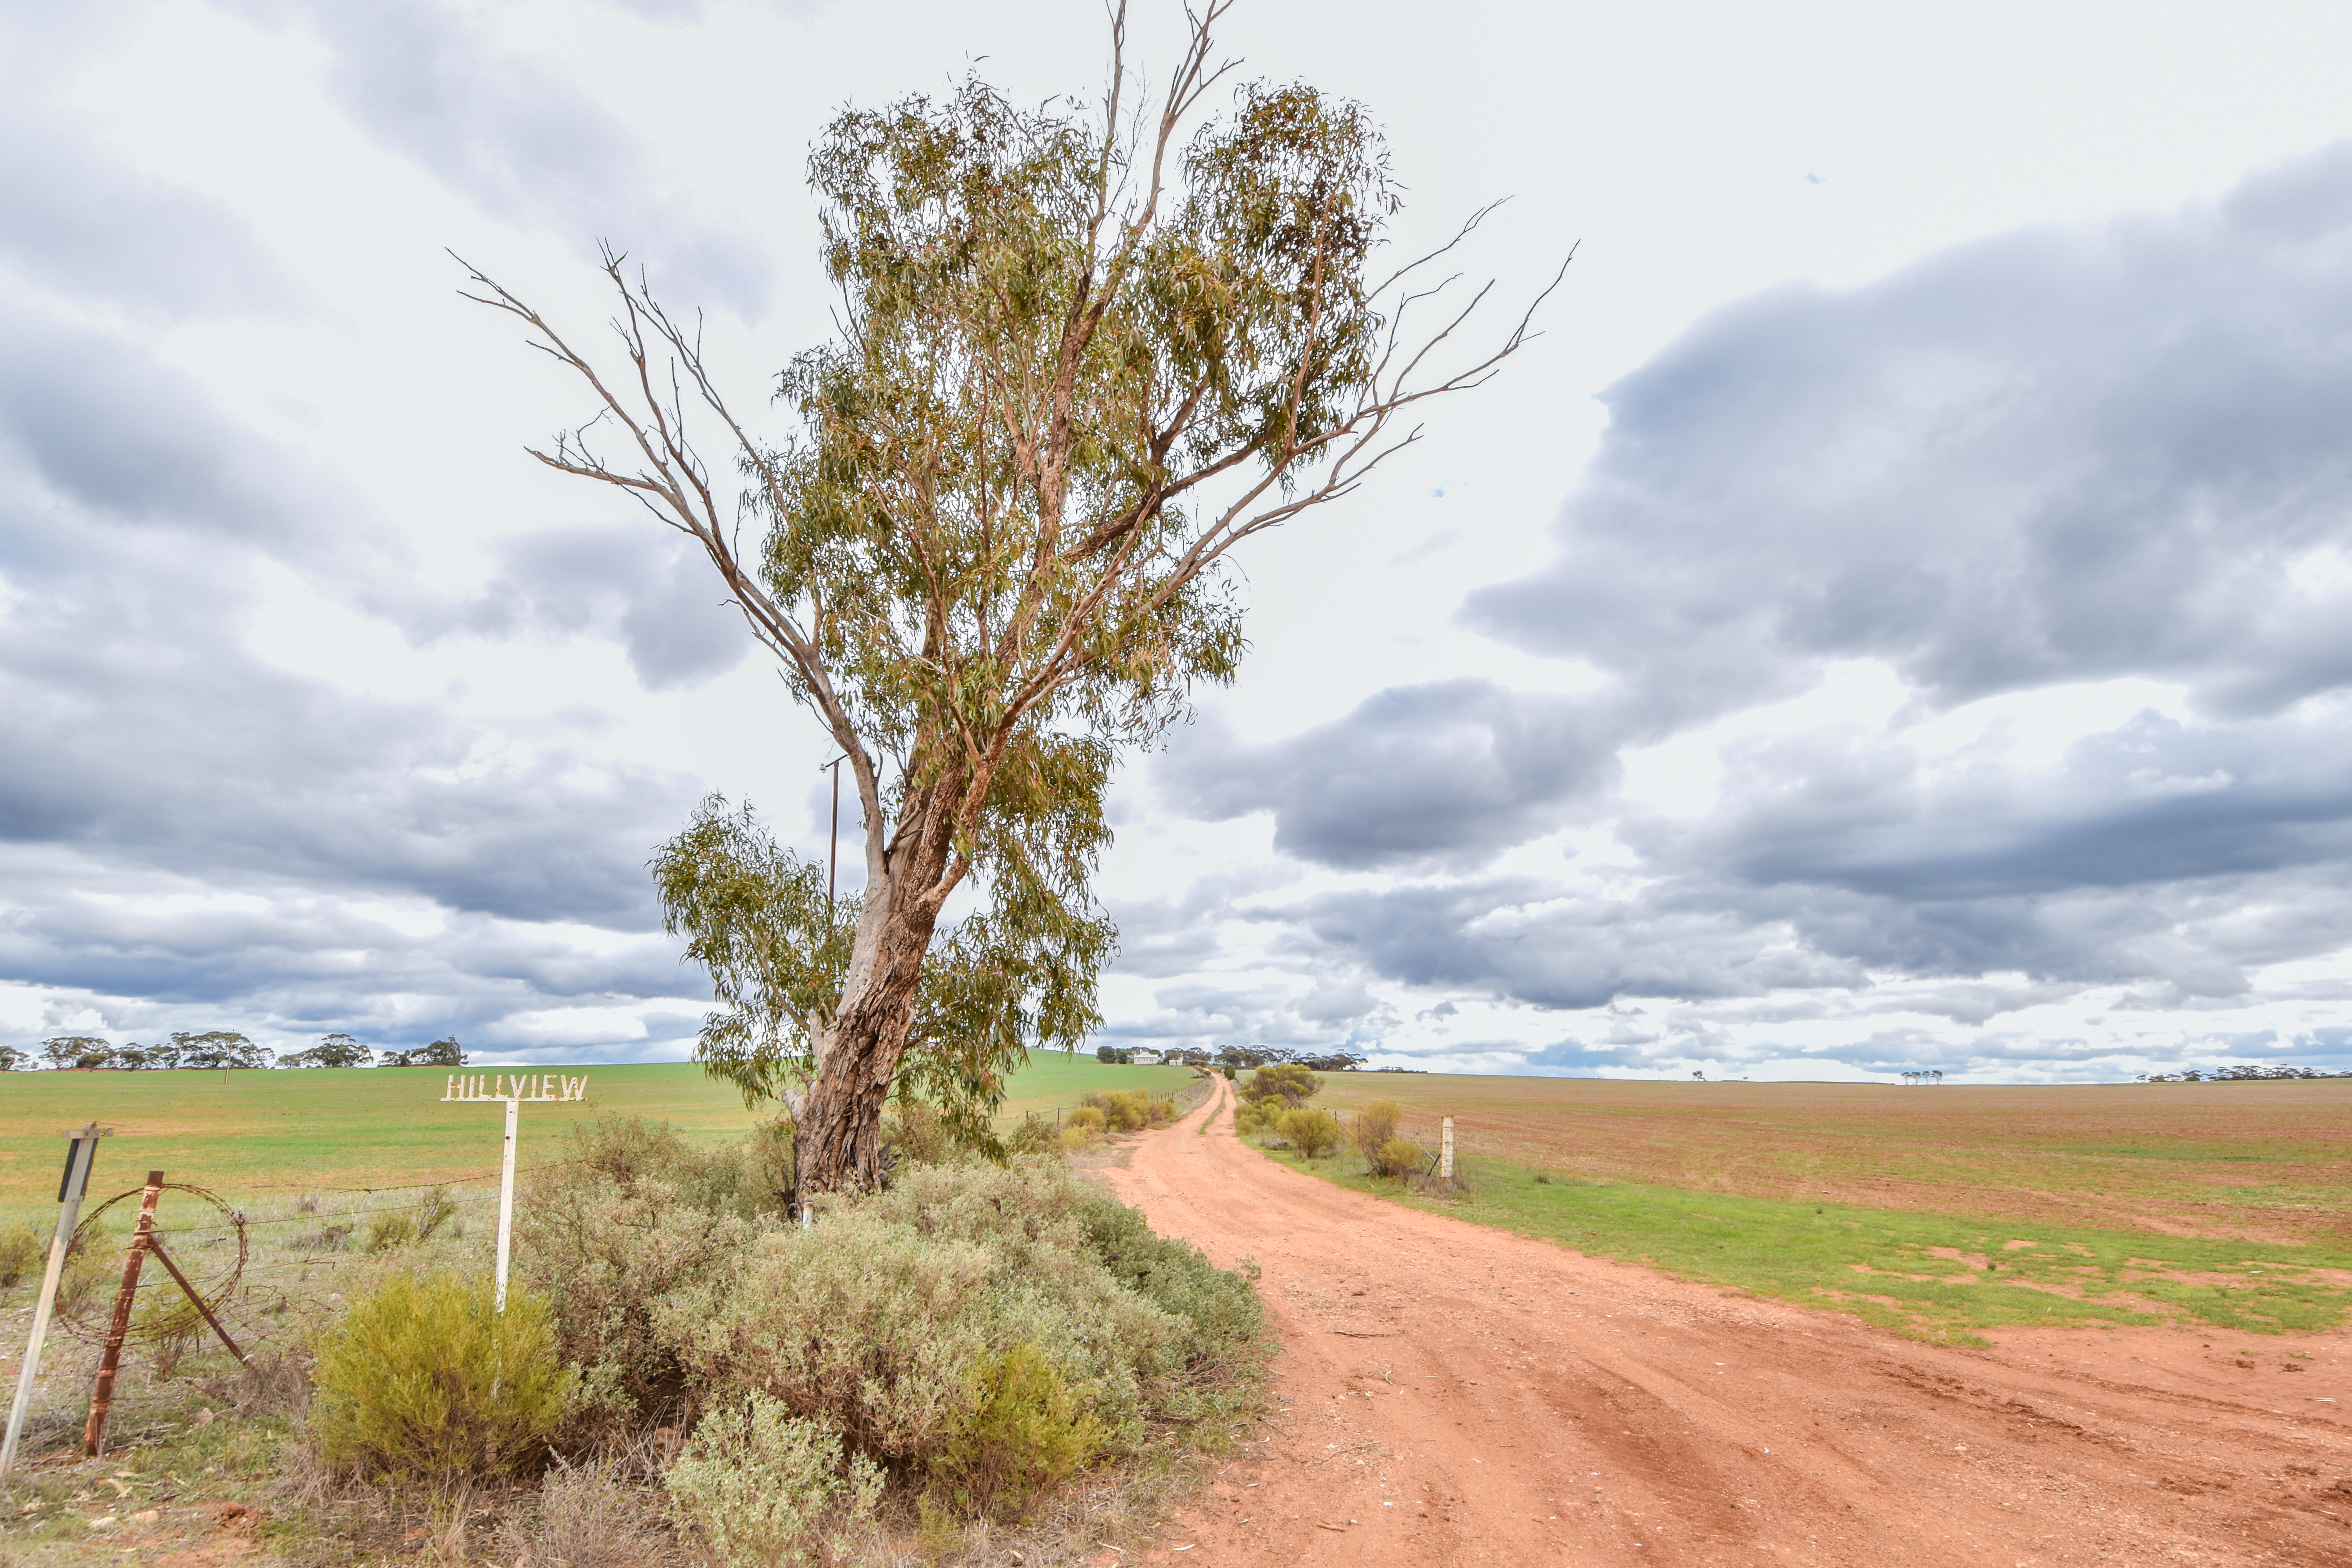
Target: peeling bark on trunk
[(838, 1147)]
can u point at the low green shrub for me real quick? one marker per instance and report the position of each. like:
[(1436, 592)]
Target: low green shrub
[(1085, 1119), (1022, 1431), (423, 1383), (757, 1486), (1397, 1157), (22, 1253), (1376, 1124), (1312, 1133)]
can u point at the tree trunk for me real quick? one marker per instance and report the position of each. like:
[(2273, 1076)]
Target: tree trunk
[(837, 1136)]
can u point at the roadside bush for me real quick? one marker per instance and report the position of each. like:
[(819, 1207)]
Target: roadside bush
[(1375, 1125), (1035, 1135), (978, 1329), (1294, 1083), (1313, 1134), (1085, 1119), (1220, 1316), (1397, 1157), (914, 1288), (22, 1253), (745, 1179), (422, 1383), (915, 1133), (1021, 1433), (615, 1263), (1130, 1110), (757, 1486)]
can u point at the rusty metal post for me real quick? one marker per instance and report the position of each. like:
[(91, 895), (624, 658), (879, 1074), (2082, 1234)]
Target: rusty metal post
[(103, 1395)]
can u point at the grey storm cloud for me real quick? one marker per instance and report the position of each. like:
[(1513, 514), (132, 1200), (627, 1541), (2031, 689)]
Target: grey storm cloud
[(2053, 457), (1451, 772), (519, 137), (155, 766), (74, 221), (2058, 455), (642, 586)]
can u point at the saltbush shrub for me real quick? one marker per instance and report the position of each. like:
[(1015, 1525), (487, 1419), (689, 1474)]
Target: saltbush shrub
[(1375, 1125), (745, 1179), (1312, 1133), (757, 1486), (897, 1324), (915, 1133), (620, 1264), (914, 1287), (423, 1383)]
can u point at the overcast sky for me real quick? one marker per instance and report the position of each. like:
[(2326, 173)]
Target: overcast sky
[(1899, 616)]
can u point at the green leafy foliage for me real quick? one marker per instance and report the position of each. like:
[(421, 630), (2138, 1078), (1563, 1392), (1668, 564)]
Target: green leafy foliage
[(422, 1383), (777, 950), (1287, 1081), (1396, 1157), (1086, 351), (1022, 1431)]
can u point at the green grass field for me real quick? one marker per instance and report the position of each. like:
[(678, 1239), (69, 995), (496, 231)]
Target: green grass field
[(2197, 1206), (263, 1132)]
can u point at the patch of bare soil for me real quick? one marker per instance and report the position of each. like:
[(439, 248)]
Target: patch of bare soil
[(1452, 1394)]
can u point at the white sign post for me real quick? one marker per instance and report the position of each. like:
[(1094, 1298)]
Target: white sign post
[(513, 1089), (78, 1155)]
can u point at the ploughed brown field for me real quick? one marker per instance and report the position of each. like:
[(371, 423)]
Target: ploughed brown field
[(2256, 1162)]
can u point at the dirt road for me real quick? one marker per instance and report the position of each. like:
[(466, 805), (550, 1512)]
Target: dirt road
[(1452, 1394)]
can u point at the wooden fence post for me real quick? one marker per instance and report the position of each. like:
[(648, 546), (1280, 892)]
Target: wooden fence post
[(103, 1394), (79, 1155), (1446, 1149)]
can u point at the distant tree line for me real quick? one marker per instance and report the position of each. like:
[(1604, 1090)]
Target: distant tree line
[(1236, 1059), (2242, 1072), (214, 1050)]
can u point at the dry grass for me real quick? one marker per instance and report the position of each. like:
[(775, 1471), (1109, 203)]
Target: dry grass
[(2262, 1162)]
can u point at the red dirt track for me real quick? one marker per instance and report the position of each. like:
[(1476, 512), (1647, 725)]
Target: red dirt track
[(1453, 1394)]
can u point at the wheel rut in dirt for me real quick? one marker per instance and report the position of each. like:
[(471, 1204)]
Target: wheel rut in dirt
[(1453, 1394)]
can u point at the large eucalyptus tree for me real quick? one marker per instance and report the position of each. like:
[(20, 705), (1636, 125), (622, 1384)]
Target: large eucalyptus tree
[(1083, 353)]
